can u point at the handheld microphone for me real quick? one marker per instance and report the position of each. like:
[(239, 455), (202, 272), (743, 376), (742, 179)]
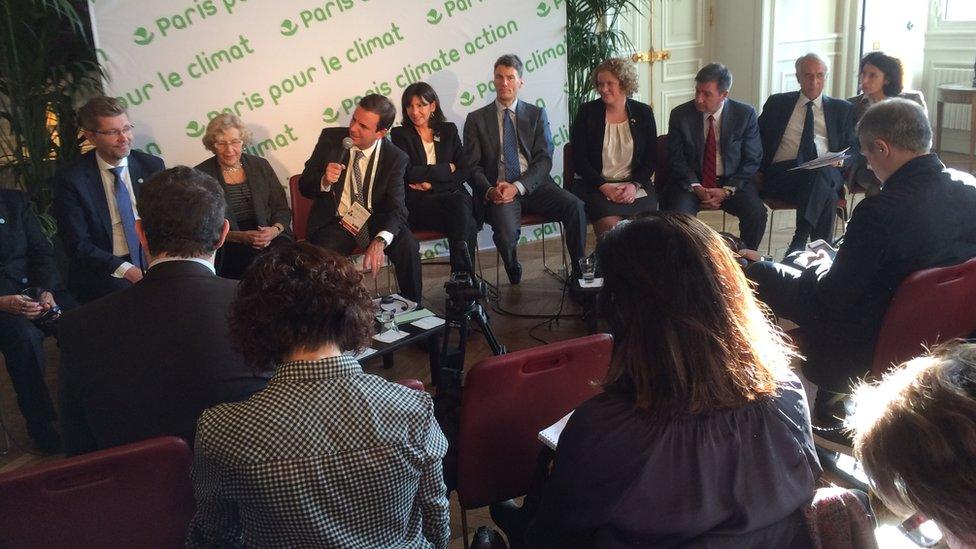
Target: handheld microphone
[(347, 145)]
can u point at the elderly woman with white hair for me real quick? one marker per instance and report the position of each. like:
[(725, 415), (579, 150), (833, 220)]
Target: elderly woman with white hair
[(257, 209)]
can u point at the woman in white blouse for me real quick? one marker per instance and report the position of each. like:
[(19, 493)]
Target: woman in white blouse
[(614, 149)]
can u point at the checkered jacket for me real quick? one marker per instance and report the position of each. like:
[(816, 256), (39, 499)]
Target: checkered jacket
[(325, 456)]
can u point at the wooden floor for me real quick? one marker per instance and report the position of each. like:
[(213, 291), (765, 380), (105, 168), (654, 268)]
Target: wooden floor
[(538, 294)]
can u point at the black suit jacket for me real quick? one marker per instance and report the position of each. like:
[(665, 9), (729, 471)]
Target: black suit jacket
[(386, 193), (921, 219), (482, 146), (776, 112), (587, 136), (267, 194), (84, 222), (26, 255), (738, 142), (145, 361), (447, 149)]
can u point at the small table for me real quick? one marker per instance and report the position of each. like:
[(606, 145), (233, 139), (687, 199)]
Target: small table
[(963, 94), (430, 337)]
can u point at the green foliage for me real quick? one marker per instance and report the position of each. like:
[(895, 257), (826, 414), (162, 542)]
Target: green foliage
[(46, 64), (591, 37)]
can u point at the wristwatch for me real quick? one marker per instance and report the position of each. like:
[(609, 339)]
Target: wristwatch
[(378, 238)]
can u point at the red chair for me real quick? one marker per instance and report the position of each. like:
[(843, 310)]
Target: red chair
[(300, 208), (929, 307), (775, 204), (506, 401), (662, 170), (414, 384), (136, 495)]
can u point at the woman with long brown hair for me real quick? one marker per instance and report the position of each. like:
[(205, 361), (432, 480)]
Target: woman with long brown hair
[(702, 431)]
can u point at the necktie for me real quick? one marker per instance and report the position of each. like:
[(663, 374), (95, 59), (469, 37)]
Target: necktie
[(808, 150), (124, 204), (510, 148), (362, 237), (708, 159)]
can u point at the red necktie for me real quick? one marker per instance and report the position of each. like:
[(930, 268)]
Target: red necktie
[(708, 159)]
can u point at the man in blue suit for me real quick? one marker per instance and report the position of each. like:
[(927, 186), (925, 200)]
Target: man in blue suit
[(714, 151), (797, 127), (95, 203)]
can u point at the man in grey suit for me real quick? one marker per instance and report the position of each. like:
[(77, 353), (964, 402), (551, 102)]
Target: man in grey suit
[(713, 151), (508, 145)]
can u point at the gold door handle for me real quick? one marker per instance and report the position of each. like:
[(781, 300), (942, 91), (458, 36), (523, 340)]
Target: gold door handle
[(651, 56)]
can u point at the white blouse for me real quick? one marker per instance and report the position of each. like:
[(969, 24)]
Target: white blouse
[(618, 151), (429, 149)]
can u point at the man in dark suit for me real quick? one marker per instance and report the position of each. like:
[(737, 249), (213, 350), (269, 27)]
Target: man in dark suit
[(797, 127), (363, 207), (922, 218), (27, 261), (714, 151), (95, 203), (508, 145), (145, 361)]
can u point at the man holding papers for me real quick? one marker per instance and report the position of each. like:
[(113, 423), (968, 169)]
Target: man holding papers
[(797, 127)]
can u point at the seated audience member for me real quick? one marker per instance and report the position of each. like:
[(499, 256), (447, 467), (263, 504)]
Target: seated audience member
[(96, 199), (881, 78), (508, 145), (326, 455), (27, 261), (435, 195), (257, 208), (144, 362), (797, 127), (922, 218), (714, 151), (615, 148), (914, 434), (702, 432), (358, 194)]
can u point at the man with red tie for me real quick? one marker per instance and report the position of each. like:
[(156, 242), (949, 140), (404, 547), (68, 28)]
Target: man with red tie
[(713, 151)]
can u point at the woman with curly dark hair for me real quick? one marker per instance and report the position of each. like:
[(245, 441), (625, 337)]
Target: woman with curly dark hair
[(325, 456), (702, 434)]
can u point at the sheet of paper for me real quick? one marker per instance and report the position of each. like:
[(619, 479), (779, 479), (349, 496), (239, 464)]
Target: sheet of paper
[(362, 354), (390, 336), (429, 322), (550, 435), (595, 283), (826, 160)]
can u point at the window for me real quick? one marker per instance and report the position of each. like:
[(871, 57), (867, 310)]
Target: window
[(958, 10)]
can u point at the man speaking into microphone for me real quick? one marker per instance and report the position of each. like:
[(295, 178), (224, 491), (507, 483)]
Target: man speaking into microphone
[(357, 187)]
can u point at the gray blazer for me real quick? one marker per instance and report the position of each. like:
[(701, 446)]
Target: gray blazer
[(482, 146), (861, 102), (270, 203)]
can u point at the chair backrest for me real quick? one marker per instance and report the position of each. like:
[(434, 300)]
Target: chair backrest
[(569, 172), (507, 400), (662, 168), (300, 208), (929, 307), (136, 495)]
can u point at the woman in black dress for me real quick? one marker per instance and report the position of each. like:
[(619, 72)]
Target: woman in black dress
[(257, 209), (614, 149), (435, 195)]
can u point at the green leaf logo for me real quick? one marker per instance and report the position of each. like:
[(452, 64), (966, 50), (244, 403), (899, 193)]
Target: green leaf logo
[(288, 27), (434, 17), (467, 99), (330, 115), (193, 129), (143, 36), (542, 9)]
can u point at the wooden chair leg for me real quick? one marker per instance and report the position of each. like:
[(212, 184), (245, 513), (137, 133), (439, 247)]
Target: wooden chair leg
[(769, 239), (464, 527)]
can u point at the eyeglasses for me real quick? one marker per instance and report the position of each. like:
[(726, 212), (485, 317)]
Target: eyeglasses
[(126, 130), (232, 143)]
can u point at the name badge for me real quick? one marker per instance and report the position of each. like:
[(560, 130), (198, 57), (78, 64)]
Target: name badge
[(355, 218)]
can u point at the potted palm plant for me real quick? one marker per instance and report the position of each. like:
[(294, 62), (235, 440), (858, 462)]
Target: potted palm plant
[(591, 37), (47, 64)]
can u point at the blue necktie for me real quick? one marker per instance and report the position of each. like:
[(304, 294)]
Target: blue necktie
[(124, 204), (510, 148)]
